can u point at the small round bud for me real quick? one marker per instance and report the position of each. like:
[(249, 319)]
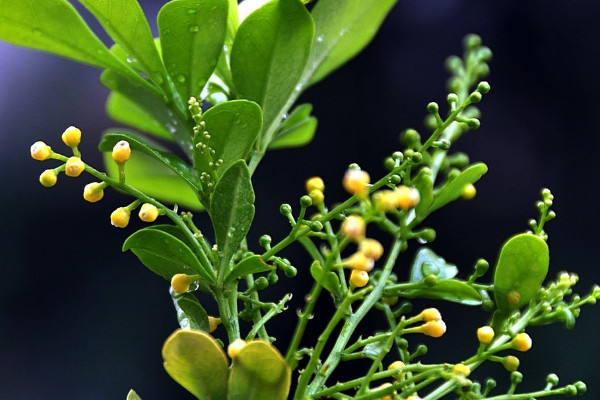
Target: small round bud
[(521, 342), (361, 262), (397, 365), (513, 297), (285, 209), (356, 181), (385, 200), (407, 197), (314, 183), (433, 108), (570, 390), (434, 328), (395, 179), (485, 334), (431, 280), (483, 87), (581, 387), (74, 167), (488, 305), (148, 212), (261, 283), (453, 63), (516, 377), (452, 98), (317, 197), (359, 278), (461, 369), (411, 138), (354, 228), (290, 271), (213, 323), (389, 163), (265, 241), (306, 201), (431, 314), (427, 235), (71, 136), (120, 217), (511, 363), (48, 178), (473, 123), (468, 192), (481, 266), (475, 97), (93, 192), (417, 157), (235, 347), (180, 283), (484, 53), (472, 41), (316, 226), (121, 152), (40, 151), (371, 248), (552, 379), (385, 386)]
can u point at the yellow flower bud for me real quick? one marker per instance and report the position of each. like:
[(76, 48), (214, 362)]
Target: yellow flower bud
[(359, 278), (181, 283), (316, 196), (468, 192), (511, 363), (74, 167), (461, 369), (120, 217), (387, 396), (521, 342), (371, 248), (213, 323), (360, 261), (315, 183), (413, 398), (71, 136), (354, 228), (93, 192), (40, 151), (407, 197), (235, 347), (385, 200), (397, 365), (431, 314), (121, 152), (48, 178), (434, 328), (148, 212), (356, 181), (485, 334)]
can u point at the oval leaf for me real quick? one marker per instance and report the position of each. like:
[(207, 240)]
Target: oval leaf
[(424, 185), (249, 265), (128, 112), (192, 33), (190, 314), (296, 135), (259, 372), (428, 263), (232, 211), (164, 254), (268, 57), (329, 280), (453, 189), (520, 271), (453, 290), (197, 362)]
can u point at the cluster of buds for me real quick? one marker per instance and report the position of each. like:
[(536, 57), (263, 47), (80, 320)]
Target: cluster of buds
[(434, 326), (400, 198), (315, 188), (72, 167)]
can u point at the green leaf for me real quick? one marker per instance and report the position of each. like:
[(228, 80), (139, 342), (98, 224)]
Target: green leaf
[(424, 185), (520, 271), (153, 178), (192, 33), (190, 314), (232, 210), (53, 26), (233, 127), (249, 265), (164, 254), (172, 230), (453, 189), (153, 104), (453, 290), (143, 145), (247, 7), (374, 349), (329, 280), (127, 112), (259, 372), (297, 130), (126, 23), (428, 263), (132, 395), (268, 57), (343, 29), (197, 362)]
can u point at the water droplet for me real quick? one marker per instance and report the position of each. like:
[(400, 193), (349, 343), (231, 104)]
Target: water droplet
[(186, 267), (184, 323), (171, 129), (131, 59), (421, 240), (319, 38), (194, 28), (181, 78), (284, 116), (299, 87), (193, 286), (192, 11)]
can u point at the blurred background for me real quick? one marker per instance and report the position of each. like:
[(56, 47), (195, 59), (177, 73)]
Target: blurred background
[(80, 320)]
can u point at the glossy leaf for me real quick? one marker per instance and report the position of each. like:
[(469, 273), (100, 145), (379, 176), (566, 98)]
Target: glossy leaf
[(428, 263), (127, 112), (520, 271), (192, 33), (232, 210), (453, 189), (453, 290), (132, 395), (329, 279), (343, 29), (247, 7), (155, 179), (190, 314), (297, 130), (143, 145), (197, 362), (259, 372), (172, 230), (249, 265), (233, 127), (164, 254), (126, 23), (424, 185), (268, 57), (53, 26)]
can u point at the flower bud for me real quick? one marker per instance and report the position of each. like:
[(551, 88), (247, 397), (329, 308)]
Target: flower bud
[(359, 261), (431, 314), (121, 152), (40, 151), (316, 196), (356, 181), (407, 197), (120, 217), (180, 283), (511, 363), (93, 192), (434, 328), (485, 334), (48, 178), (315, 183), (235, 347), (74, 167), (397, 365), (71, 136), (385, 200), (359, 278), (213, 323), (371, 248), (384, 386), (468, 192), (354, 228), (148, 212), (461, 369), (521, 342)]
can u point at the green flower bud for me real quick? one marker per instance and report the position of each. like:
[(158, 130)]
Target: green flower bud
[(265, 241), (305, 201), (483, 87), (433, 108), (316, 226), (552, 379), (285, 209)]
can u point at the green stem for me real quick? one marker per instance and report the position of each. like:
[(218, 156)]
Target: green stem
[(256, 315), (259, 325)]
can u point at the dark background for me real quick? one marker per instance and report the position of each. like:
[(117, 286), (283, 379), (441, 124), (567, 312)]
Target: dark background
[(79, 320)]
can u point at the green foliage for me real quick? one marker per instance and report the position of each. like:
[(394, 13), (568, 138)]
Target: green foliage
[(250, 265), (133, 395), (190, 314), (297, 130), (329, 280)]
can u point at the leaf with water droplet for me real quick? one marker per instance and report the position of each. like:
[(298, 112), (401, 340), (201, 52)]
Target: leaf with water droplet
[(189, 309), (428, 263), (297, 130)]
